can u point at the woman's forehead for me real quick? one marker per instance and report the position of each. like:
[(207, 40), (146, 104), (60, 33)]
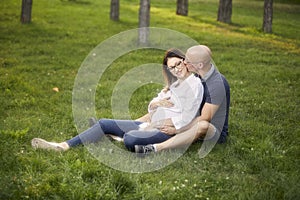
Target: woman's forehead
[(171, 61)]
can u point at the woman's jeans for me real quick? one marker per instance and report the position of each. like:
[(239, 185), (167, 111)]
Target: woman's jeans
[(126, 129)]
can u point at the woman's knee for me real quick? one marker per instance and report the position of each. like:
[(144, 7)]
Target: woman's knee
[(107, 125), (103, 122)]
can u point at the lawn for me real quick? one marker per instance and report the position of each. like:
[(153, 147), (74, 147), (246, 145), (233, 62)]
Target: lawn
[(261, 157)]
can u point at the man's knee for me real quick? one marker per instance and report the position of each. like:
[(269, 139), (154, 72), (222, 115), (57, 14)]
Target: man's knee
[(203, 127), (129, 141)]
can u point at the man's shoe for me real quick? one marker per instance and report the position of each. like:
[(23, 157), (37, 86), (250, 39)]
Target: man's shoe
[(141, 149)]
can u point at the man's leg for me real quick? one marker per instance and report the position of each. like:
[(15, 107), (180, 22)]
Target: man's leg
[(138, 137), (186, 138)]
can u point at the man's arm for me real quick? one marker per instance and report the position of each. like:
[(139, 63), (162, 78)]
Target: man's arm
[(208, 111)]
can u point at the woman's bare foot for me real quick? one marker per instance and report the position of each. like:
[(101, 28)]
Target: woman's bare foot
[(38, 143)]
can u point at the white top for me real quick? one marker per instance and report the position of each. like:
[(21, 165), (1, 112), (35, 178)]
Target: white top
[(186, 97)]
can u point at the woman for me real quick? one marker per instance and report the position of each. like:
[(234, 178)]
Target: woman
[(177, 103)]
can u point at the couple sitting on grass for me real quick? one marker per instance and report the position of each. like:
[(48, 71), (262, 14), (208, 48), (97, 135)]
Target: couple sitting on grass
[(194, 105)]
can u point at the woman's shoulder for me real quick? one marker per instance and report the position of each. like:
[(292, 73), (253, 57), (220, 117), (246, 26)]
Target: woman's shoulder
[(194, 79)]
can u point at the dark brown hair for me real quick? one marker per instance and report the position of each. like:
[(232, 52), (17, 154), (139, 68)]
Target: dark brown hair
[(168, 76)]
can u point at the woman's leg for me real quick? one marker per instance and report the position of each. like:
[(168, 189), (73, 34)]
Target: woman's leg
[(91, 135), (104, 126), (118, 127), (137, 137)]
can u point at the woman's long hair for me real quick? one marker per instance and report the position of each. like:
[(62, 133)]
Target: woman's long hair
[(168, 76)]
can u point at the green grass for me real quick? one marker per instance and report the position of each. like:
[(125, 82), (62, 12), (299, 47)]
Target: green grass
[(260, 159)]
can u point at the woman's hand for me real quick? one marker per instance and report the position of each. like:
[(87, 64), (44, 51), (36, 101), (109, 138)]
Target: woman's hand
[(161, 103), (169, 130), (166, 126)]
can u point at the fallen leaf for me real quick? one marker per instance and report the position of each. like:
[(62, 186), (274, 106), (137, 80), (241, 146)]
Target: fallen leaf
[(55, 89)]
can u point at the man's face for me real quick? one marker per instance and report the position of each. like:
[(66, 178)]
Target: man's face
[(192, 67)]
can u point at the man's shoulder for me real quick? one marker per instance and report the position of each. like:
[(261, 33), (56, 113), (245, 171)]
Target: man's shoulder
[(214, 80), (217, 79)]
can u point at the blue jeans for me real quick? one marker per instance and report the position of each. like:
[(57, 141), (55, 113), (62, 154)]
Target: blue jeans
[(126, 129)]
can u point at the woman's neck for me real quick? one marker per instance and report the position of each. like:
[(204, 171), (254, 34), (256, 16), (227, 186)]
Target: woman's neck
[(186, 75)]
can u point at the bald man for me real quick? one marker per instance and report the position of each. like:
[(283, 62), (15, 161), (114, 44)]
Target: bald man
[(212, 124)]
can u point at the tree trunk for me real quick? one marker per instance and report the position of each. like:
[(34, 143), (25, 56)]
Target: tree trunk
[(182, 7), (144, 21), (225, 11), (114, 10), (26, 11), (268, 16)]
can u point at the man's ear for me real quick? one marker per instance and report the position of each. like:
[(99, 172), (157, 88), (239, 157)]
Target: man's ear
[(200, 65)]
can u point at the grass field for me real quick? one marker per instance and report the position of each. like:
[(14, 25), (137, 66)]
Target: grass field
[(260, 159)]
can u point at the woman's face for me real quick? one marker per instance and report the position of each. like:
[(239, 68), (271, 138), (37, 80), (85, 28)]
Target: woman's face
[(177, 68)]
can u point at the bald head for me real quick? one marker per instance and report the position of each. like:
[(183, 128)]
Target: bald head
[(199, 53)]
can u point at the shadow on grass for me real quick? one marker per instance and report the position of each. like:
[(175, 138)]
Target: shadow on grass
[(80, 2), (239, 28)]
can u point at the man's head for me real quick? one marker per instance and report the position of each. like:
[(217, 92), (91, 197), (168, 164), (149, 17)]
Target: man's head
[(198, 58)]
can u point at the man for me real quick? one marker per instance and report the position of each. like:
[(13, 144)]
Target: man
[(212, 124)]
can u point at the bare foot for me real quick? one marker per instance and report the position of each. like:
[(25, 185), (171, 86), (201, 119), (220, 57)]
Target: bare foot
[(38, 143)]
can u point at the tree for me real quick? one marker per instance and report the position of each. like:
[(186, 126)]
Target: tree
[(225, 11), (182, 7), (26, 11), (144, 21), (268, 16), (114, 10)]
